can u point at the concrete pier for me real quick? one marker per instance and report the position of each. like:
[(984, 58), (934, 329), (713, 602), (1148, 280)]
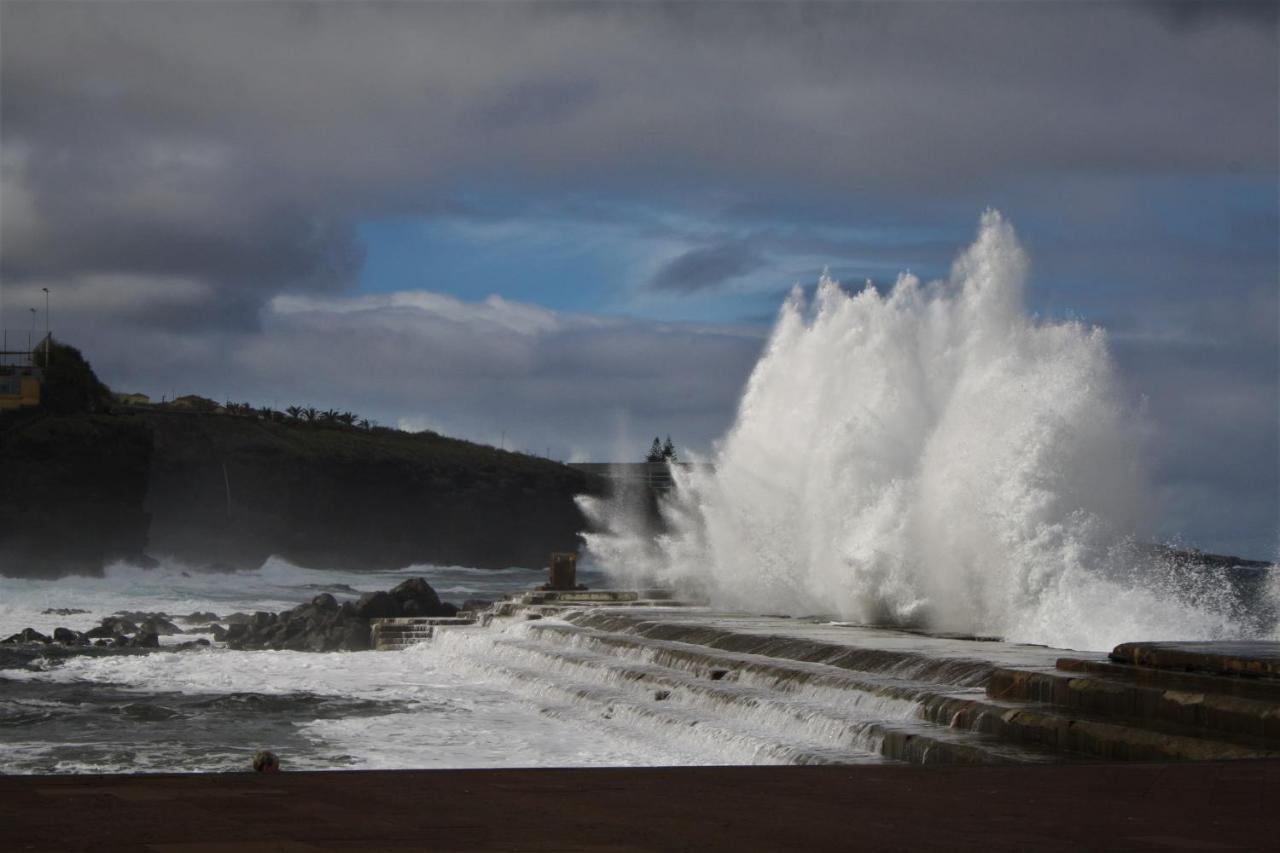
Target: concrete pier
[(844, 694)]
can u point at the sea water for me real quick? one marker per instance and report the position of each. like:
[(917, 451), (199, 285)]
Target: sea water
[(209, 710)]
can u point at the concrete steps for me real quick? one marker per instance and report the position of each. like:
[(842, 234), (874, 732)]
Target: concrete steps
[(1187, 702), (1201, 703), (405, 631), (826, 712)]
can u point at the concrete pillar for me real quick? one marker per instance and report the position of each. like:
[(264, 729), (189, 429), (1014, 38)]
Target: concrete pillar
[(564, 570)]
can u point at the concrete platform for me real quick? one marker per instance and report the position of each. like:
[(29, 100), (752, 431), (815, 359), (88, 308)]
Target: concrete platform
[(1132, 807), (1256, 659)]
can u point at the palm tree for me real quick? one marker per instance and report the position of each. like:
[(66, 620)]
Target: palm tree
[(311, 414), (364, 424), (294, 412), (347, 418)]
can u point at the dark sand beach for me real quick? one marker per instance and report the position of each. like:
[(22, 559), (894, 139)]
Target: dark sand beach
[(1138, 807)]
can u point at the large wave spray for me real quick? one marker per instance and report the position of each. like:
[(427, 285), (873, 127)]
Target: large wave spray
[(930, 456)]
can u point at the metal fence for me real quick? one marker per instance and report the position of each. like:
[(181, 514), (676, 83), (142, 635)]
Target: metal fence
[(18, 347)]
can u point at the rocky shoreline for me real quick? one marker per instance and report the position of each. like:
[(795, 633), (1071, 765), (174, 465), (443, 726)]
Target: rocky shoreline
[(319, 625)]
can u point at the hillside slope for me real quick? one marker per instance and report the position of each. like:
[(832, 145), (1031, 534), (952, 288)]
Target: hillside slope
[(81, 490)]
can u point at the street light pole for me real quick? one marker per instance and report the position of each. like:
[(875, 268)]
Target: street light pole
[(46, 327)]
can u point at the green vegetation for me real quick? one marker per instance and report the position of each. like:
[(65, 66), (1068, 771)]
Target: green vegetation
[(70, 386), (661, 451)]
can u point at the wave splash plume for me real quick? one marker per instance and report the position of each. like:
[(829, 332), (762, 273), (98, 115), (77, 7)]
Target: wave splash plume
[(931, 456)]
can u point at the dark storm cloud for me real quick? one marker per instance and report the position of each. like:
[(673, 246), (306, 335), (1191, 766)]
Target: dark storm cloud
[(241, 142), (705, 267), (173, 168)]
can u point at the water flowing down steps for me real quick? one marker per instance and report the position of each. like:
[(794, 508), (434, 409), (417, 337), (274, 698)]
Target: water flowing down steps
[(777, 690)]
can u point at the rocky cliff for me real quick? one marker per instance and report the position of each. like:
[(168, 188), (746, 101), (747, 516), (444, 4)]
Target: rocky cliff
[(81, 490)]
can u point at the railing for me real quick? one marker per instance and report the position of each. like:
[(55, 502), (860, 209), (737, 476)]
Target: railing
[(19, 348)]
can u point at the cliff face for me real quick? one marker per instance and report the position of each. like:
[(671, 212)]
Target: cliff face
[(230, 490), (72, 493)]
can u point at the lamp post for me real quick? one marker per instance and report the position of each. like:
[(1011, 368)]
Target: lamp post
[(46, 327)]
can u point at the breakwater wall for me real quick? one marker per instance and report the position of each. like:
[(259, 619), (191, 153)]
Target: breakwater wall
[(797, 691)]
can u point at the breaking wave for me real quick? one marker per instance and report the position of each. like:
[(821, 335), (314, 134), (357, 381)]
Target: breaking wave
[(933, 455)]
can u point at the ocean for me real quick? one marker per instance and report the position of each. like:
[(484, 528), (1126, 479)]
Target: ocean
[(433, 706)]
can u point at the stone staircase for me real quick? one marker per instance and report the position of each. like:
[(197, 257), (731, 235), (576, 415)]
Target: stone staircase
[(920, 699), (402, 632), (808, 691)]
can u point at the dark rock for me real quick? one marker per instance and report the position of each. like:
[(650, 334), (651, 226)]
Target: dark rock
[(236, 632), (62, 611), (160, 625), (67, 637), (219, 633), (417, 589), (140, 616), (475, 605), (145, 640), (103, 643), (102, 631), (356, 636), (237, 618), (325, 602), (261, 619), (120, 625), (191, 645), (199, 618), (28, 635), (448, 608), (348, 608), (378, 605)]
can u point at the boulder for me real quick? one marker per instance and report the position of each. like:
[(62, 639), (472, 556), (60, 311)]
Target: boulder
[(200, 618), (356, 636), (145, 640), (69, 638), (120, 625), (447, 608), (160, 625), (28, 635), (417, 589), (325, 603), (475, 605), (378, 605)]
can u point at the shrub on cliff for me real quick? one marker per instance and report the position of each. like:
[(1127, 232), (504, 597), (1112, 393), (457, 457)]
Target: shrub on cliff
[(70, 385)]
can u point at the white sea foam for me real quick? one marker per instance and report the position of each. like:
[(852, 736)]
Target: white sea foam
[(930, 455), (178, 589)]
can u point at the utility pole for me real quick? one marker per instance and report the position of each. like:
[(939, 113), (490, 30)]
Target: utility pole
[(32, 333), (46, 327)]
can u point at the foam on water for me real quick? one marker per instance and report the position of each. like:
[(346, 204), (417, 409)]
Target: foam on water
[(932, 455)]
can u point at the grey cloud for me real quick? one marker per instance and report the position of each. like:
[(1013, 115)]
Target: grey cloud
[(706, 267), (544, 379), (241, 142)]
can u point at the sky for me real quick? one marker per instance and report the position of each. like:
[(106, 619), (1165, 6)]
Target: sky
[(566, 228)]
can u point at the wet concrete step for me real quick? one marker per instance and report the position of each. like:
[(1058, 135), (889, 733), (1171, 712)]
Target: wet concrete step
[(1113, 738), (1120, 694), (837, 718), (1250, 659), (865, 659), (402, 632), (779, 675), (571, 698), (1264, 689)]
